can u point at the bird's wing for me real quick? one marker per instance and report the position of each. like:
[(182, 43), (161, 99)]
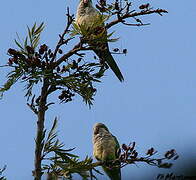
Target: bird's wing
[(117, 143)]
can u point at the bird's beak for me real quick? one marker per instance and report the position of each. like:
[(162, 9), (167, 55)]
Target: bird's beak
[(85, 1), (96, 130)]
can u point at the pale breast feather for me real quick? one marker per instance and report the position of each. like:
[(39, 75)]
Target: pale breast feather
[(104, 147)]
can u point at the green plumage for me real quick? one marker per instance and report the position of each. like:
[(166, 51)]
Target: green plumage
[(105, 148), (87, 17)]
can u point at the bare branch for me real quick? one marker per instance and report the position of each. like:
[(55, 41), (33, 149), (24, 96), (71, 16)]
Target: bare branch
[(134, 14), (61, 40), (32, 108), (73, 51), (141, 24)]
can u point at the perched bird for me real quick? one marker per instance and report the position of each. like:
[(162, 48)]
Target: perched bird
[(105, 149), (86, 16)]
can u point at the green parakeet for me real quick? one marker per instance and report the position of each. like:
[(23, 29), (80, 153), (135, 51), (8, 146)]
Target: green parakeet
[(105, 148), (86, 16)]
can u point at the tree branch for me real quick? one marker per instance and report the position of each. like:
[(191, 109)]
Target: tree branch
[(61, 40), (40, 130), (134, 14), (78, 47)]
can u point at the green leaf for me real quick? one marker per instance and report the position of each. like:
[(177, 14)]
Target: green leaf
[(18, 44), (113, 40), (25, 42), (64, 156), (54, 126), (39, 29), (71, 155), (36, 41), (33, 29), (12, 79), (30, 35), (110, 34), (66, 150)]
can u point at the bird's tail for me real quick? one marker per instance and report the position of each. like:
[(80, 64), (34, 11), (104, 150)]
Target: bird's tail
[(106, 56), (113, 174)]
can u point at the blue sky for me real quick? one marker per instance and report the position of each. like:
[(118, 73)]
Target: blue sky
[(155, 106)]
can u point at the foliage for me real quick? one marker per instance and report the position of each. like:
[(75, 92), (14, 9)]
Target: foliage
[(62, 162), (31, 65), (25, 61), (1, 172)]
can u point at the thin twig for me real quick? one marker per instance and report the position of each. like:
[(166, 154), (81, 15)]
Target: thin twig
[(129, 24), (5, 65), (32, 108), (61, 40)]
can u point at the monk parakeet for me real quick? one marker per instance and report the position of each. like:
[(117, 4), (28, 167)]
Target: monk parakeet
[(87, 17), (105, 148)]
